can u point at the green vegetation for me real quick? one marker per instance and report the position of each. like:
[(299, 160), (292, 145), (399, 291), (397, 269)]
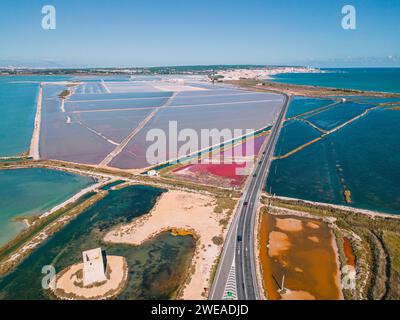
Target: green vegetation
[(218, 241), (225, 204), (392, 242), (64, 94)]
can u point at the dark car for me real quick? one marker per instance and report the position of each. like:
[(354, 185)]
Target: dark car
[(245, 203), (239, 238)]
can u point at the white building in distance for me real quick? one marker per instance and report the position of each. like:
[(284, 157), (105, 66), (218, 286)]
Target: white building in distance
[(93, 267), (152, 173)]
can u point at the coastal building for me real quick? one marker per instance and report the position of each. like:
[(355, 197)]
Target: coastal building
[(152, 173), (93, 267)]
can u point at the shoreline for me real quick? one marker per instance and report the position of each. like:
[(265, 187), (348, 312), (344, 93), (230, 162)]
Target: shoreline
[(182, 213), (34, 146), (305, 90), (73, 198), (18, 249), (30, 220), (69, 285), (338, 276), (370, 213)]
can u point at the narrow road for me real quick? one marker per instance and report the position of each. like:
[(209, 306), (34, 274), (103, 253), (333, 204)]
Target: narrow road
[(239, 245)]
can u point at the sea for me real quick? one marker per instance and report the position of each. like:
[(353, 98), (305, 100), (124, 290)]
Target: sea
[(366, 79)]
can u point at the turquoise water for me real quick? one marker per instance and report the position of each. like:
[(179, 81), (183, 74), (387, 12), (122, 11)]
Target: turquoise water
[(293, 134), (367, 79), (363, 157), (337, 115), (18, 96), (299, 105), (25, 192), (156, 268)]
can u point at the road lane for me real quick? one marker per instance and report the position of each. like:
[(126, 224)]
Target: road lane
[(241, 253)]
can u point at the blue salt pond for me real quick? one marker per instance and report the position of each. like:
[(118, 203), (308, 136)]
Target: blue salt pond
[(363, 157), (337, 115), (299, 105), (294, 133), (18, 96), (27, 192)]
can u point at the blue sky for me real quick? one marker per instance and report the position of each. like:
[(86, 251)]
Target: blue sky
[(187, 32)]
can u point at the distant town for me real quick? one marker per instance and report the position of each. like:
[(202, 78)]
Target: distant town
[(216, 72)]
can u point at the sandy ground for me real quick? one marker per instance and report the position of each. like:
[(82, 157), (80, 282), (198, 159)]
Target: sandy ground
[(34, 148), (312, 225), (289, 224), (182, 211), (66, 287), (297, 295), (278, 243)]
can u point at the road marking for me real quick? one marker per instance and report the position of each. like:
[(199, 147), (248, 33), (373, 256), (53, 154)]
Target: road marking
[(230, 292)]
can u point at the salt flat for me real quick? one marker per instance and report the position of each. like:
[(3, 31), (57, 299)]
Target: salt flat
[(101, 117)]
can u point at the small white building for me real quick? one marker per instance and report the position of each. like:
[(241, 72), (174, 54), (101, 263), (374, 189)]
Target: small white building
[(93, 267), (152, 173)]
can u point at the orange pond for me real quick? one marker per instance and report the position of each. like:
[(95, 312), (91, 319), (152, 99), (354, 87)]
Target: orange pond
[(302, 250), (348, 252)]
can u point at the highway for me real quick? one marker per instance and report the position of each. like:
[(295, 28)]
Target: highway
[(238, 253)]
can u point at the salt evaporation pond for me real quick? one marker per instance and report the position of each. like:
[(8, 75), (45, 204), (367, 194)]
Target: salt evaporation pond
[(156, 269), (18, 95), (27, 192), (363, 156)]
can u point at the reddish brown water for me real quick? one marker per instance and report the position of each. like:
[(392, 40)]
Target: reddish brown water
[(305, 257), (348, 252)]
